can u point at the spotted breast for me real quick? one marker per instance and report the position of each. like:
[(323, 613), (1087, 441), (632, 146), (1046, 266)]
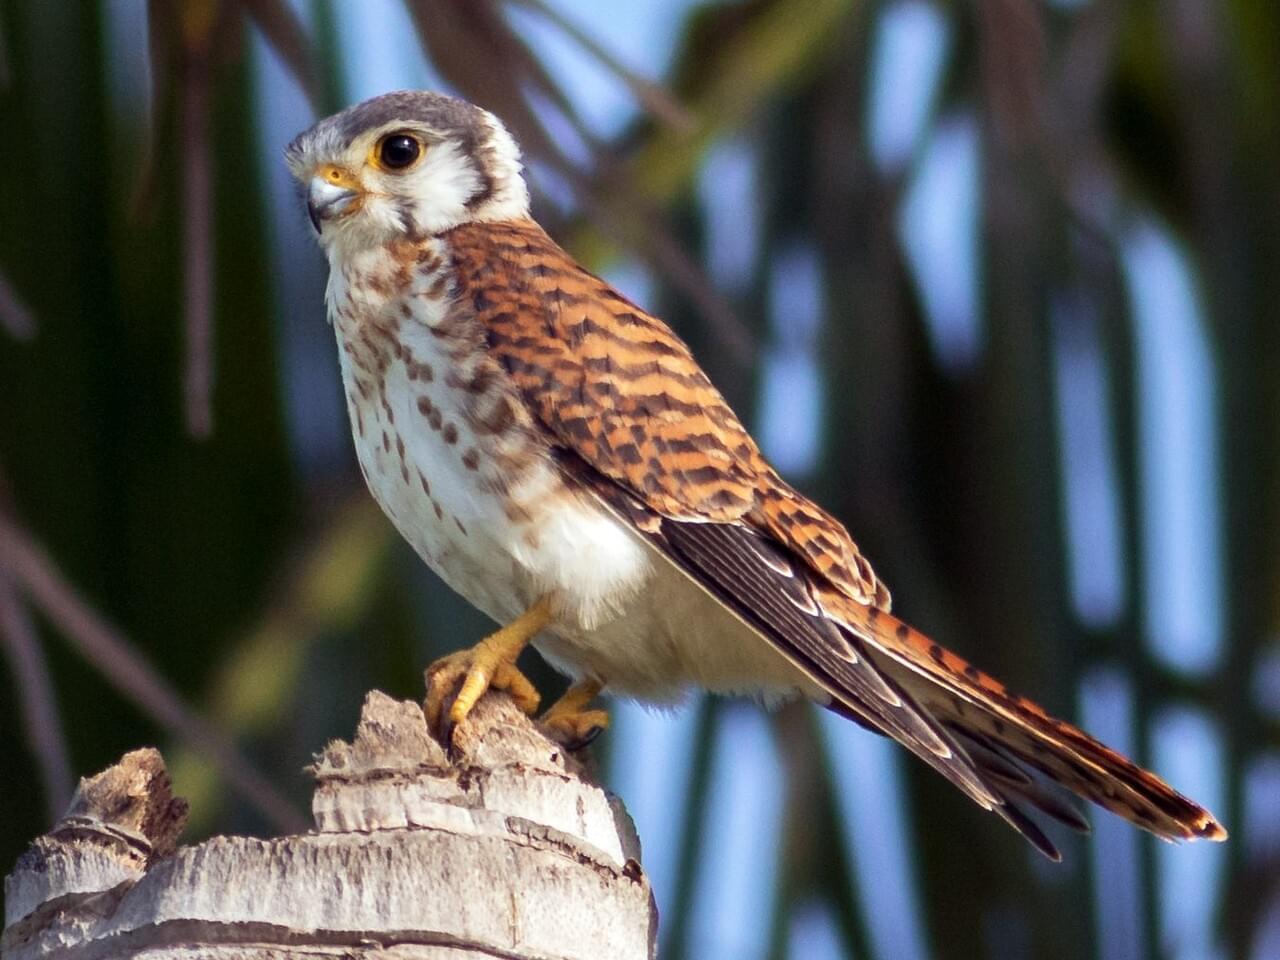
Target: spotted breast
[(448, 449)]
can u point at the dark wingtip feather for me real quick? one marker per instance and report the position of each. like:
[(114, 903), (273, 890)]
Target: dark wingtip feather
[(1015, 779), (1029, 829)]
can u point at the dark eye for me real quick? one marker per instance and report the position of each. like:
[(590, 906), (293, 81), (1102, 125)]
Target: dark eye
[(398, 151)]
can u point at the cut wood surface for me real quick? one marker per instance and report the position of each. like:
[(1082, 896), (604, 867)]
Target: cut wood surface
[(505, 850)]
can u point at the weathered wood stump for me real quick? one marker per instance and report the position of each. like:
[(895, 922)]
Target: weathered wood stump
[(505, 850)]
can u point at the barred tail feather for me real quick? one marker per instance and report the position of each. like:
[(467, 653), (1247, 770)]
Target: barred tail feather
[(1009, 736)]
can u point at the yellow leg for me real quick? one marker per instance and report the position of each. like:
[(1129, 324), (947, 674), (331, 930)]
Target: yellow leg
[(567, 720), (490, 663)]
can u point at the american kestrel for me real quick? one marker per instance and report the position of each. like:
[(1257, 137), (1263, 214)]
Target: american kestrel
[(558, 457)]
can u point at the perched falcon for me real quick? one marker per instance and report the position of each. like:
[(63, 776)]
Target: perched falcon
[(558, 457)]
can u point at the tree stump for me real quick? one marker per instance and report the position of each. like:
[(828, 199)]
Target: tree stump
[(505, 850)]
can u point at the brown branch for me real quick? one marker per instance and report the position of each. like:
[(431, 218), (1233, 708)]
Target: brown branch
[(35, 695), (653, 97), (197, 245), (161, 28), (286, 35), (131, 674)]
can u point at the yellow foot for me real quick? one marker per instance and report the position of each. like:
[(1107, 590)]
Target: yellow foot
[(471, 673), (490, 663), (569, 723)]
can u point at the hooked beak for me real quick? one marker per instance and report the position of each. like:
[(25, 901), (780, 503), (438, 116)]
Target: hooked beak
[(331, 193)]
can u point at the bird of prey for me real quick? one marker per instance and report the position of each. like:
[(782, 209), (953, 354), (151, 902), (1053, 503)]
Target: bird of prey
[(557, 456)]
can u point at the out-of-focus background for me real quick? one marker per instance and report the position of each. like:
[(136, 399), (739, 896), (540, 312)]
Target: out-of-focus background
[(995, 280)]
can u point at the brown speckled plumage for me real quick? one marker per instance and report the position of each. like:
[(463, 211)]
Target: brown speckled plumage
[(619, 389), (553, 451)]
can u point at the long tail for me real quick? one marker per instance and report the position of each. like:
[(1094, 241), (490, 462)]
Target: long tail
[(1008, 736)]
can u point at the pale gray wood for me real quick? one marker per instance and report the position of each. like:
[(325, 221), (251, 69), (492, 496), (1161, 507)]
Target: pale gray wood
[(505, 850)]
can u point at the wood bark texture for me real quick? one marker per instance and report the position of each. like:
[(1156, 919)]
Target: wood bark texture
[(504, 849)]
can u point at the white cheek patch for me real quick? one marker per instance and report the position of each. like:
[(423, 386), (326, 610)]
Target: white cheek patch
[(435, 193), (430, 198)]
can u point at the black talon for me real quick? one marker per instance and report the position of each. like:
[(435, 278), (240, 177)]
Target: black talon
[(585, 740)]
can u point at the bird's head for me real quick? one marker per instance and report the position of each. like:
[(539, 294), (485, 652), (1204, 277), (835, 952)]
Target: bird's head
[(406, 164)]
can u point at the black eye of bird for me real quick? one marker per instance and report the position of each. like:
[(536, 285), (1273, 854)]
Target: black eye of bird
[(398, 151)]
